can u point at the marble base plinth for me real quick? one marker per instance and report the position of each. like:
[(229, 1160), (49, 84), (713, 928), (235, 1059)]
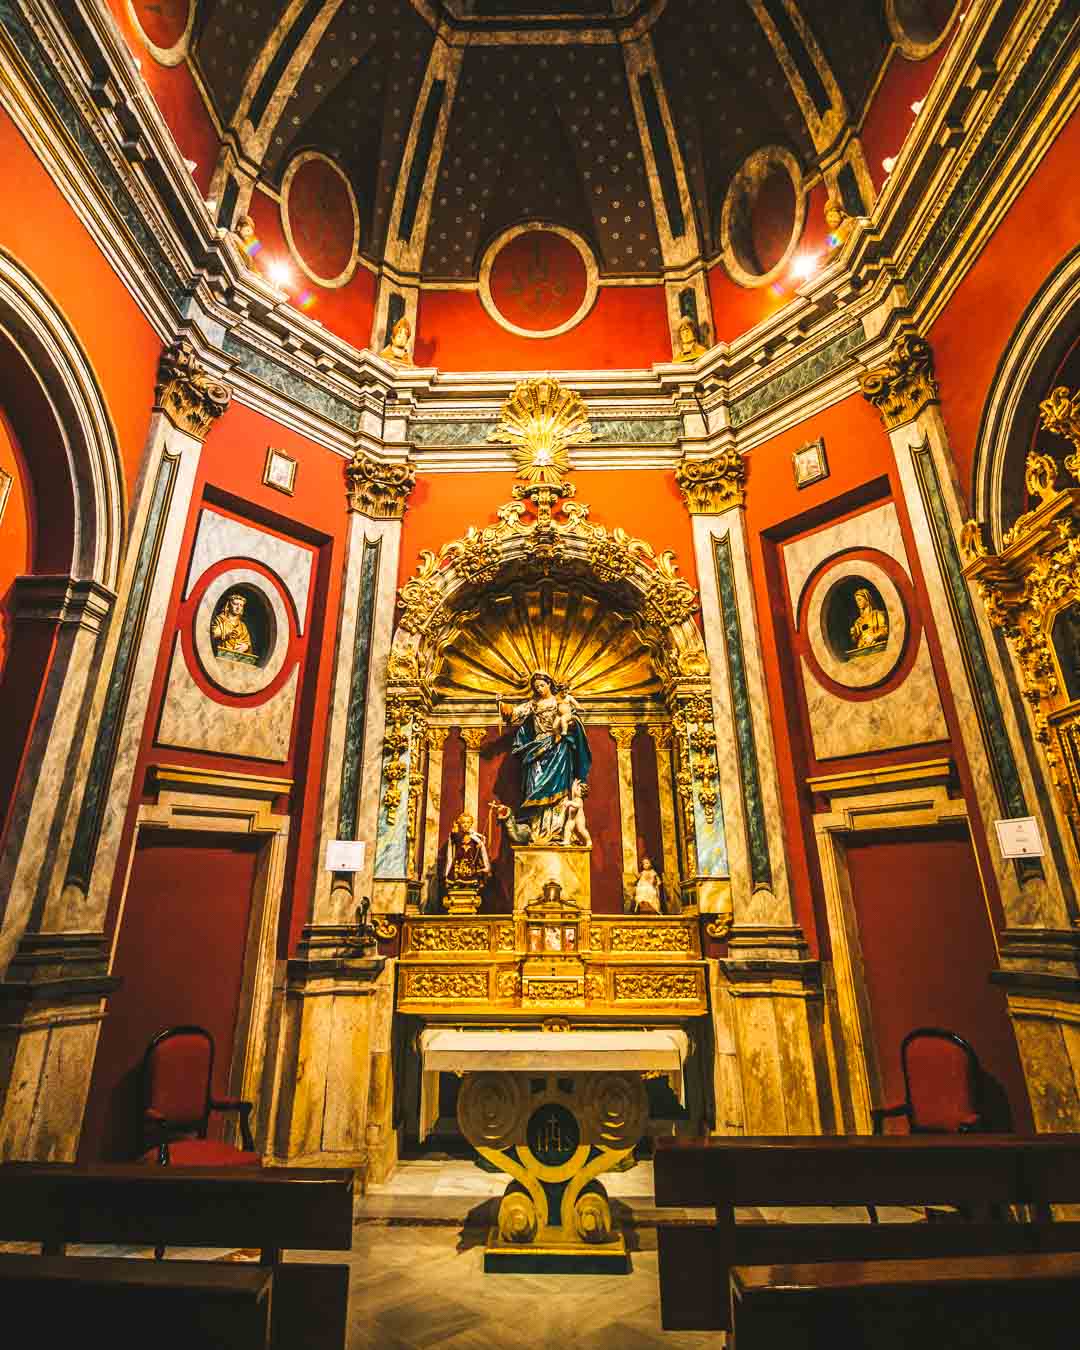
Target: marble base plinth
[(537, 864)]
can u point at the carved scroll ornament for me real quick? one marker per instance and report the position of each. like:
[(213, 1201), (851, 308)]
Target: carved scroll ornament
[(712, 486), (903, 385), (378, 490)]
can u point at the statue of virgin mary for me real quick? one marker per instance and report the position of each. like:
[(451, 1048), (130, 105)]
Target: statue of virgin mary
[(551, 746)]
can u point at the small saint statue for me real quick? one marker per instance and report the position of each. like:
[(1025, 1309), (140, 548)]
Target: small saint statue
[(242, 237), (575, 830), (646, 890), (399, 348), (230, 634), (687, 345), (839, 223), (467, 860), (871, 626)]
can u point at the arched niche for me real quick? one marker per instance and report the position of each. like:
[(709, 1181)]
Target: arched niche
[(1041, 353)]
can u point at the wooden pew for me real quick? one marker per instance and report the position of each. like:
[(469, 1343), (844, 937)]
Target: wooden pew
[(172, 1305), (1025, 1302), (270, 1209), (911, 1170)]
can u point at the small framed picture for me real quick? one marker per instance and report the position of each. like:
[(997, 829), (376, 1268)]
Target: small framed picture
[(6, 481), (280, 471), (810, 463)]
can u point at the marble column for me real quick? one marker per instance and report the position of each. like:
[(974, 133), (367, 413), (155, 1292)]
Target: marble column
[(1039, 951), (436, 739), (54, 988), (624, 739), (332, 1067), (474, 738), (768, 1003), (662, 736)]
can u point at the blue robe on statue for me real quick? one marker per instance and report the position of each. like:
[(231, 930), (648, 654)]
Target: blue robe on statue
[(549, 767)]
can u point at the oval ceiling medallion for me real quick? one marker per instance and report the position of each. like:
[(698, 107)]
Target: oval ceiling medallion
[(165, 26), (763, 216), (538, 280), (320, 218), (918, 27)]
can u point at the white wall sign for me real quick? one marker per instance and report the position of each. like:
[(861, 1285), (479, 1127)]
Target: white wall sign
[(1019, 837), (345, 855)]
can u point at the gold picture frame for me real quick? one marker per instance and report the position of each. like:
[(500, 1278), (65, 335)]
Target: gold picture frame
[(279, 471), (809, 464)]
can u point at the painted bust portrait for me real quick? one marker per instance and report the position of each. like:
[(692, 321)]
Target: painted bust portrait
[(230, 634)]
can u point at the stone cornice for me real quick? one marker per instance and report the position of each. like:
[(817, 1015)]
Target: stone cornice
[(97, 133)]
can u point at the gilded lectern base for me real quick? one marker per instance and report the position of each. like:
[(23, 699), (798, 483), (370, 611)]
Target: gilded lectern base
[(548, 1256)]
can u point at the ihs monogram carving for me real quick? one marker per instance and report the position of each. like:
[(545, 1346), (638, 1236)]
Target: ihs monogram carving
[(191, 399), (901, 387), (378, 490), (656, 986), (446, 984), (711, 486)]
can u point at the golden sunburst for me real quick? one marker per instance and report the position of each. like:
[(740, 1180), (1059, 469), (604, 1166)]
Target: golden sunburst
[(574, 636), (541, 421)]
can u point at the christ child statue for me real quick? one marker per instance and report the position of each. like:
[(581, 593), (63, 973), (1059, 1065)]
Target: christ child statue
[(575, 829), (647, 890)]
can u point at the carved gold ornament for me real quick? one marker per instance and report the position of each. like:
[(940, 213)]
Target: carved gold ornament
[(399, 718), (1030, 587), (656, 986), (437, 985), (447, 937), (711, 486), (552, 991), (492, 1107), (640, 937), (901, 387), (378, 490), (541, 421), (720, 928), (696, 744), (191, 399)]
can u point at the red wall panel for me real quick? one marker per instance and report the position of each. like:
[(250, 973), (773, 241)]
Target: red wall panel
[(180, 955), (928, 950), (626, 327), (16, 528)]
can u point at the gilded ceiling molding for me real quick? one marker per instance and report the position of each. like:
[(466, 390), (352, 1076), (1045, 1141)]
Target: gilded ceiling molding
[(191, 399), (713, 486), (903, 385), (378, 490), (1031, 590), (814, 85)]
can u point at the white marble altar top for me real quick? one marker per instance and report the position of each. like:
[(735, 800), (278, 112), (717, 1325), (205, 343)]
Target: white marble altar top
[(547, 1051)]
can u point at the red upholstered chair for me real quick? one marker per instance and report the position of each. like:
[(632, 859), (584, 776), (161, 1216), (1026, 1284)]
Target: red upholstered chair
[(175, 1105), (943, 1081)]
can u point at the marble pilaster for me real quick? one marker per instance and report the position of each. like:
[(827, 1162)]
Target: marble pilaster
[(474, 738), (436, 739), (624, 739), (662, 736)]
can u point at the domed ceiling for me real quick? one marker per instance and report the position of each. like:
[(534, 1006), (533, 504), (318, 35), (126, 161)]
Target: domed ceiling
[(624, 121)]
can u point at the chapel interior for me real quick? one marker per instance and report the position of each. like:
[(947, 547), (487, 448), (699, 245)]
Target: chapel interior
[(540, 668)]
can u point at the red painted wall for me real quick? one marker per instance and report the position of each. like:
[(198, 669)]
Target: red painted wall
[(627, 326), (889, 117), (188, 900), (16, 528), (970, 336), (50, 241), (927, 948)]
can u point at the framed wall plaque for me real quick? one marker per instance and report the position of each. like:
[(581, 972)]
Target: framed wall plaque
[(280, 471)]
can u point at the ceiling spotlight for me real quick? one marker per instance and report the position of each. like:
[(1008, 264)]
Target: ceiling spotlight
[(805, 265), (280, 273), (888, 164), (191, 165), (916, 107)]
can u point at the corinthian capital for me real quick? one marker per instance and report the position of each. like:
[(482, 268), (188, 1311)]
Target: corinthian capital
[(902, 387), (191, 399), (711, 486), (378, 490)]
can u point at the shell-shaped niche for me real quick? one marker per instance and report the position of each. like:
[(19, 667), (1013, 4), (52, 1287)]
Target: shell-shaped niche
[(574, 636)]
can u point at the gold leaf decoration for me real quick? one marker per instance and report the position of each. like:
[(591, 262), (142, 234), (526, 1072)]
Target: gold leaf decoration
[(541, 421)]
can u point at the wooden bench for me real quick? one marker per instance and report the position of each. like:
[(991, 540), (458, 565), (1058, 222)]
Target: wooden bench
[(269, 1209), (172, 1305), (695, 1258), (1024, 1302)]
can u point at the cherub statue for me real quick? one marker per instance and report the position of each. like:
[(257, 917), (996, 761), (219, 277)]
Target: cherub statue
[(647, 890), (575, 830)]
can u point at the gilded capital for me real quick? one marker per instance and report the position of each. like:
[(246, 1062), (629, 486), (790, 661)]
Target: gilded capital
[(712, 486), (474, 737), (623, 736), (191, 399), (902, 387), (378, 490), (436, 737), (661, 733)]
